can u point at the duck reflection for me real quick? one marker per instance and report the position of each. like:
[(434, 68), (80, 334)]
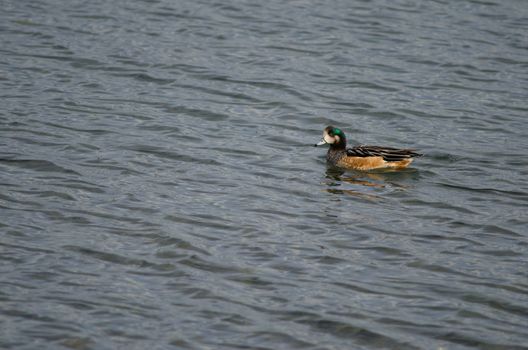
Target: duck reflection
[(369, 185)]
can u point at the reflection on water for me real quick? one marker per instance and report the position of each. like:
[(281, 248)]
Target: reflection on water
[(368, 184)]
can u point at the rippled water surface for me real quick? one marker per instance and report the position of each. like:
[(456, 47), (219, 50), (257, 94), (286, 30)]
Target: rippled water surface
[(158, 188)]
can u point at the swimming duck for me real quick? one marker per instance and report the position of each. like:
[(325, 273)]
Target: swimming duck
[(363, 157)]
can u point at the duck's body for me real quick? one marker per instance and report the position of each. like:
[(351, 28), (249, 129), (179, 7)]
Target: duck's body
[(363, 157)]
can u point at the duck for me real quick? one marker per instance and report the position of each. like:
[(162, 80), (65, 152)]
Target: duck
[(363, 157)]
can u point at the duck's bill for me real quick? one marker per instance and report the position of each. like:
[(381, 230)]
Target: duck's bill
[(322, 142)]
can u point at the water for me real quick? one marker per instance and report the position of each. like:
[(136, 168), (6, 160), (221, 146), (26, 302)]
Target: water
[(159, 189)]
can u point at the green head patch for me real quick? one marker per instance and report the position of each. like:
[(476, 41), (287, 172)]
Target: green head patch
[(337, 131)]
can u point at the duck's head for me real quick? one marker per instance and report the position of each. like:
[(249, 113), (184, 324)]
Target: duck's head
[(333, 136)]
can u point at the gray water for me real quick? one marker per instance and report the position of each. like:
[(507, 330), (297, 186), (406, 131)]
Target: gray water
[(159, 188)]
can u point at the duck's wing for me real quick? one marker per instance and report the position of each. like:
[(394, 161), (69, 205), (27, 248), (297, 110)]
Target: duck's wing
[(389, 154)]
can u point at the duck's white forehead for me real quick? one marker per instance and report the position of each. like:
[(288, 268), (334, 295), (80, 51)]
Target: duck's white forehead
[(328, 138)]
